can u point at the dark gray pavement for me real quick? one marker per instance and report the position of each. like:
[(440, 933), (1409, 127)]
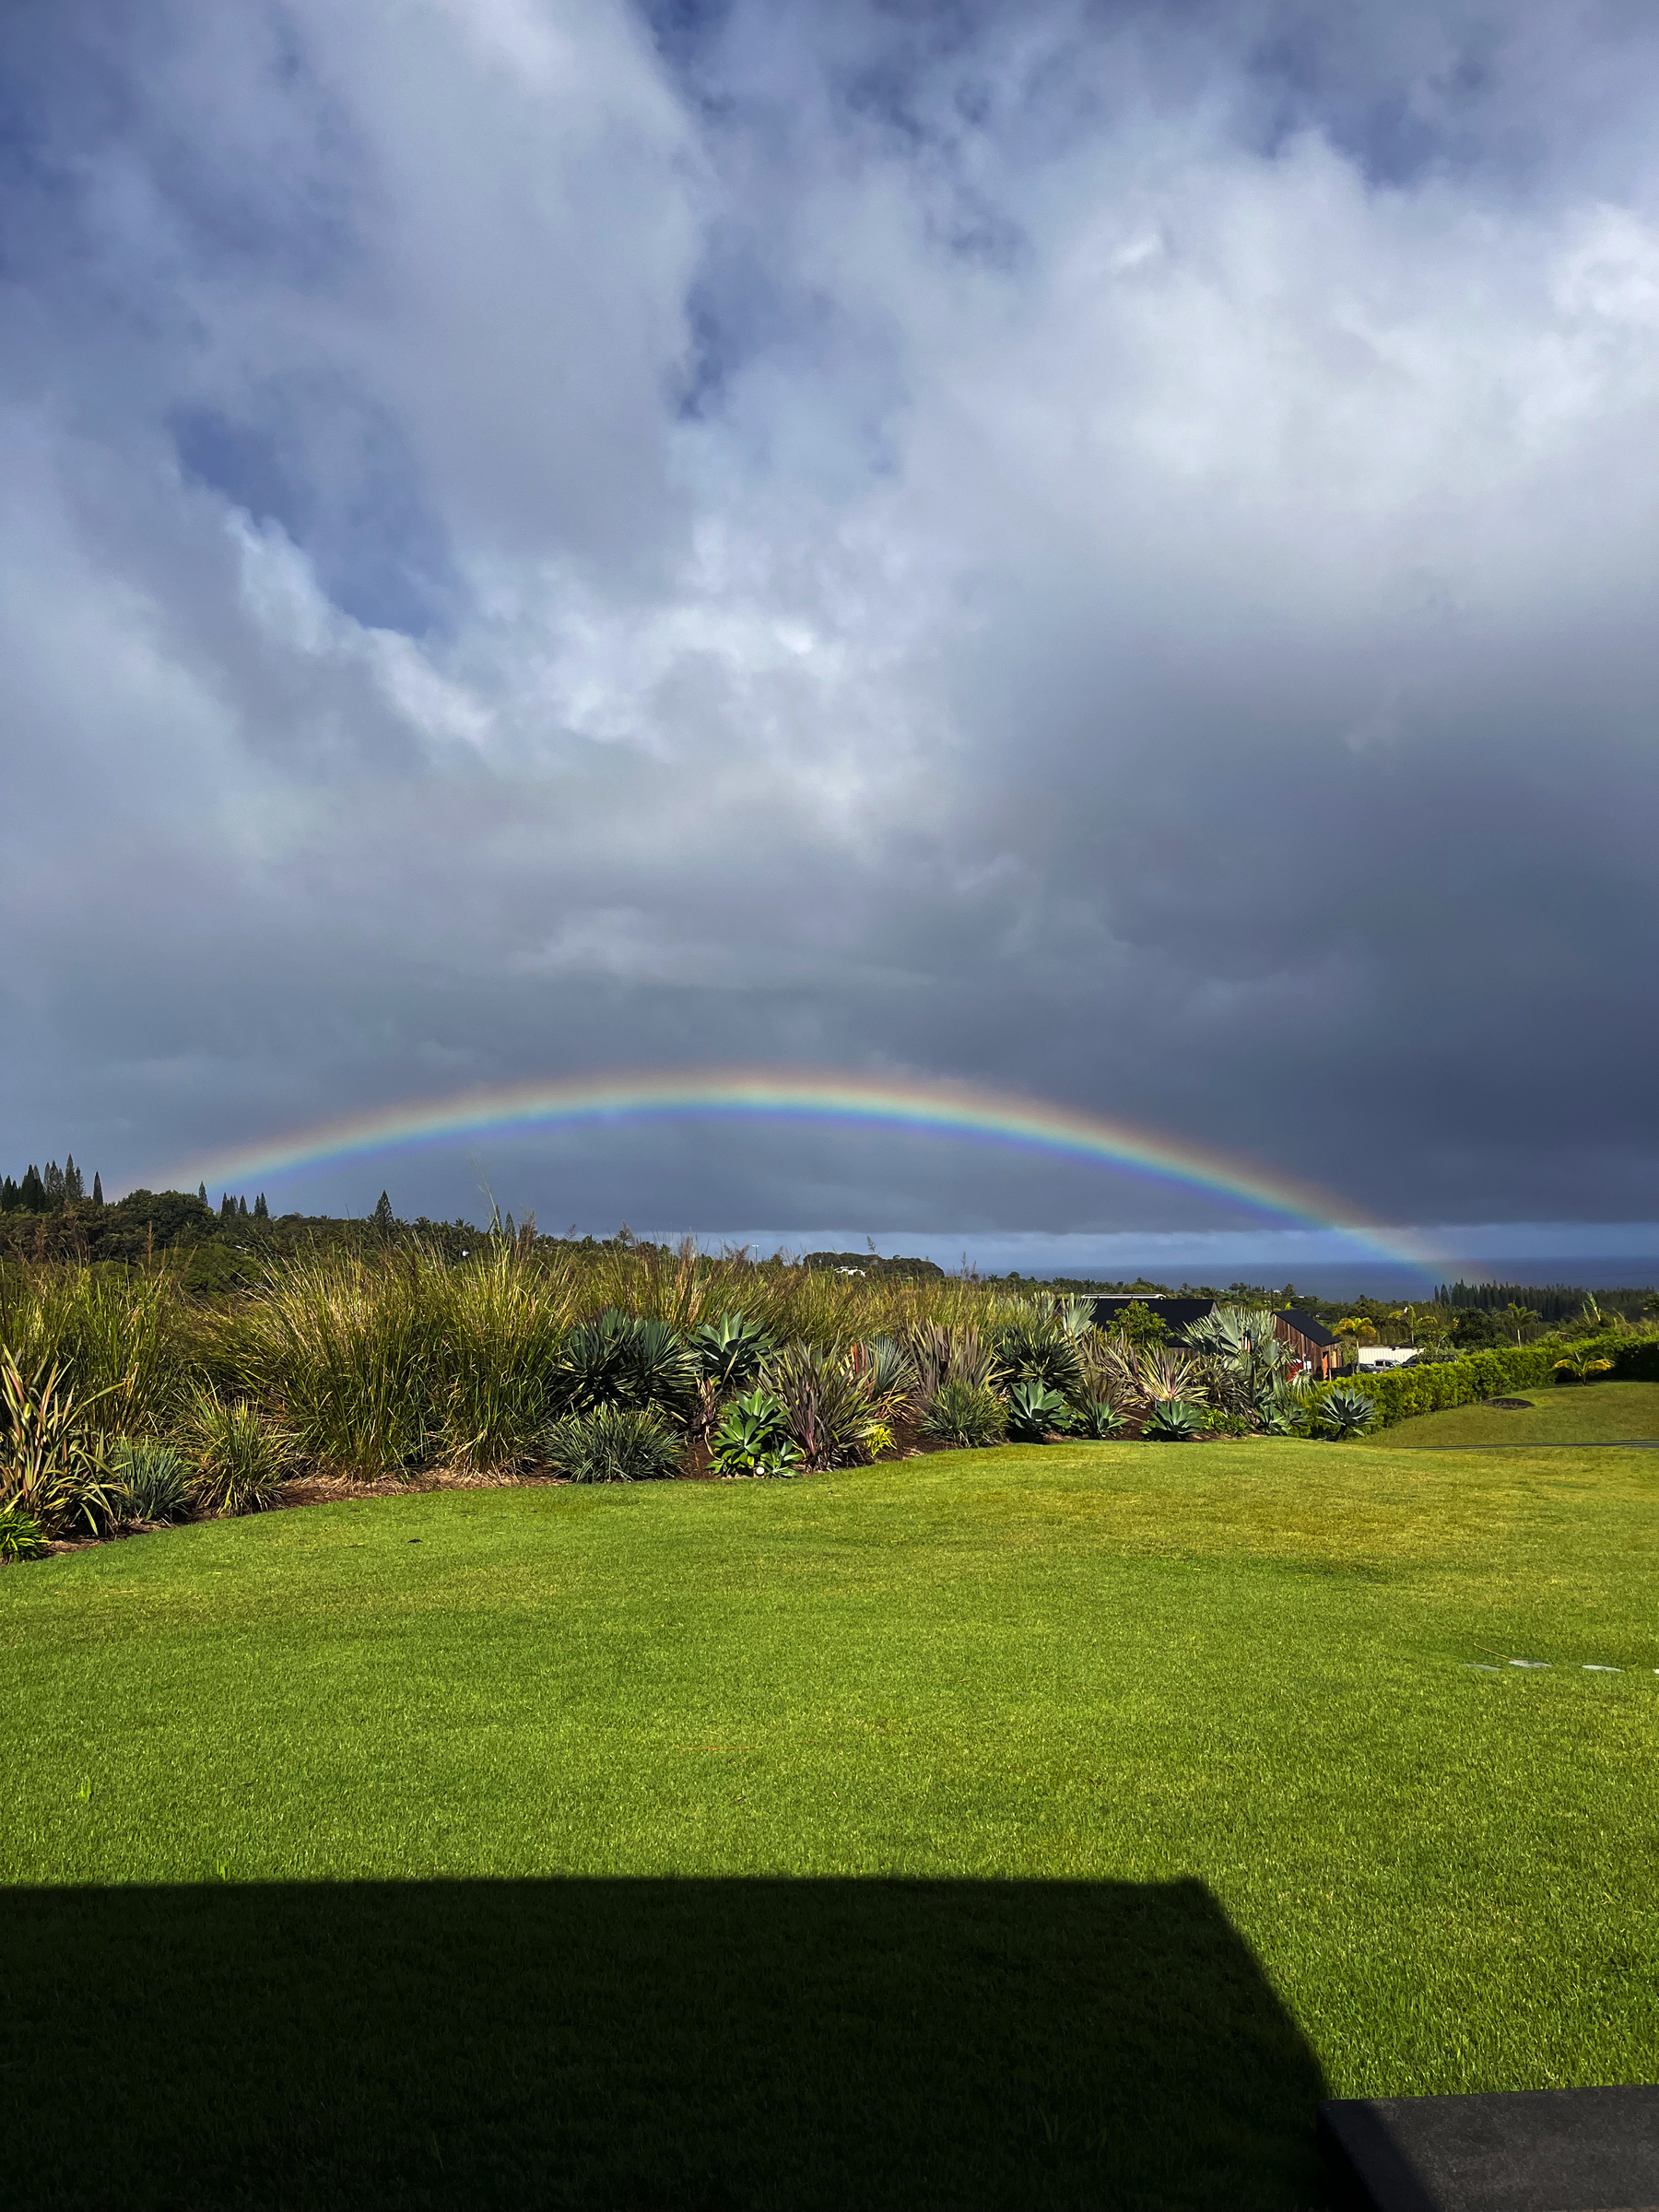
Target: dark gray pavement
[(1527, 2151)]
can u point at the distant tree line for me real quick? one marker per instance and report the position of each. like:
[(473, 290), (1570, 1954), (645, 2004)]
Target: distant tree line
[(49, 1190), (1552, 1302), (229, 1246)]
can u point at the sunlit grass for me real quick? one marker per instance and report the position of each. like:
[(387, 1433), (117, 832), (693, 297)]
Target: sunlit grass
[(1577, 1413), (1254, 1664)]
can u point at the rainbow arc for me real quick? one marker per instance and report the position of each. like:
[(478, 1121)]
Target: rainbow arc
[(948, 1110)]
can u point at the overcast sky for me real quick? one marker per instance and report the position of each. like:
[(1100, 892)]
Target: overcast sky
[(1108, 550)]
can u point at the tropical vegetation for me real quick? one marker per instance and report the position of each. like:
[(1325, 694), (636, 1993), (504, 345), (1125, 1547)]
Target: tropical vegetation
[(128, 1399), (133, 1395)]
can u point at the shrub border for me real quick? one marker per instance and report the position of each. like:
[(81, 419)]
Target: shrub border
[(1404, 1392)]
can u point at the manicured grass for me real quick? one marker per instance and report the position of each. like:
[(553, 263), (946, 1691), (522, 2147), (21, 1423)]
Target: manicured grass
[(1595, 1413), (1146, 1793)]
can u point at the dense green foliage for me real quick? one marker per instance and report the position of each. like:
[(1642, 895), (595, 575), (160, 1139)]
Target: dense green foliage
[(398, 1358), (150, 1481), (1404, 1391), (21, 1536), (1549, 1302), (612, 1442)]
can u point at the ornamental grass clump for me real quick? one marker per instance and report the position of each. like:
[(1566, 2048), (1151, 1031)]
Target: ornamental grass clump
[(348, 1346), (965, 1413), (938, 1356), (887, 1366), (240, 1459), (613, 1443), (124, 1337), (149, 1482), (503, 1319)]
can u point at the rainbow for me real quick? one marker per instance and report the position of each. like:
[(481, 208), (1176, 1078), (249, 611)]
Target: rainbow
[(907, 1104)]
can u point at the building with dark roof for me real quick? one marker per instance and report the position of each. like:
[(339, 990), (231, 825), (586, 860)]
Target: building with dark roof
[(1315, 1351), (1174, 1313)]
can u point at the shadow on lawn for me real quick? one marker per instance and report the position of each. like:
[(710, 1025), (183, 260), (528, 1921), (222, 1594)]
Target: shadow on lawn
[(647, 2046)]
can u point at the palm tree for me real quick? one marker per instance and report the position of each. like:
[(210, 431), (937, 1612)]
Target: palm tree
[(1517, 1318)]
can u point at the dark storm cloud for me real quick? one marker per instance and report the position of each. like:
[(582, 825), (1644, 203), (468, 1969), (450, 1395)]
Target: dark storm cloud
[(1108, 550)]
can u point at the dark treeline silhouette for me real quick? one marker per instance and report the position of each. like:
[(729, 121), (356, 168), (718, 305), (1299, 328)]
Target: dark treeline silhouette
[(1550, 1302), (47, 1190)]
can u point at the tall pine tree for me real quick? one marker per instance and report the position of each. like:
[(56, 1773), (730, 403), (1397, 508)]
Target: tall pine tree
[(33, 1192), (73, 1188), (262, 1212), (202, 1192), (96, 1188), (52, 1183), (385, 1220)]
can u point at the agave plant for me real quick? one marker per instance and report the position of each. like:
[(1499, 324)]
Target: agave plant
[(1287, 1407), (1032, 1345), (753, 1438), (828, 1407), (1345, 1413), (1097, 1420), (51, 1460), (1241, 1354), (626, 1360), (970, 1413), (1034, 1410), (728, 1352), (613, 1443), (1173, 1421)]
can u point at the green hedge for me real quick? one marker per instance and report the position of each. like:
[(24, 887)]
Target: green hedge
[(1401, 1391)]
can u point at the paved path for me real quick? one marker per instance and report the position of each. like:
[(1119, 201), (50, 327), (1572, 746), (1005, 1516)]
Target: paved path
[(1627, 1444)]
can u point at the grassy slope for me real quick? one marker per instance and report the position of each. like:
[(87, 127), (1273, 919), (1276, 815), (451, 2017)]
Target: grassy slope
[(1598, 1413), (1229, 1695)]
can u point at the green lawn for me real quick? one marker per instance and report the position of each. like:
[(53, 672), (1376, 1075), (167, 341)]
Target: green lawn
[(1595, 1413), (1031, 1827)]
